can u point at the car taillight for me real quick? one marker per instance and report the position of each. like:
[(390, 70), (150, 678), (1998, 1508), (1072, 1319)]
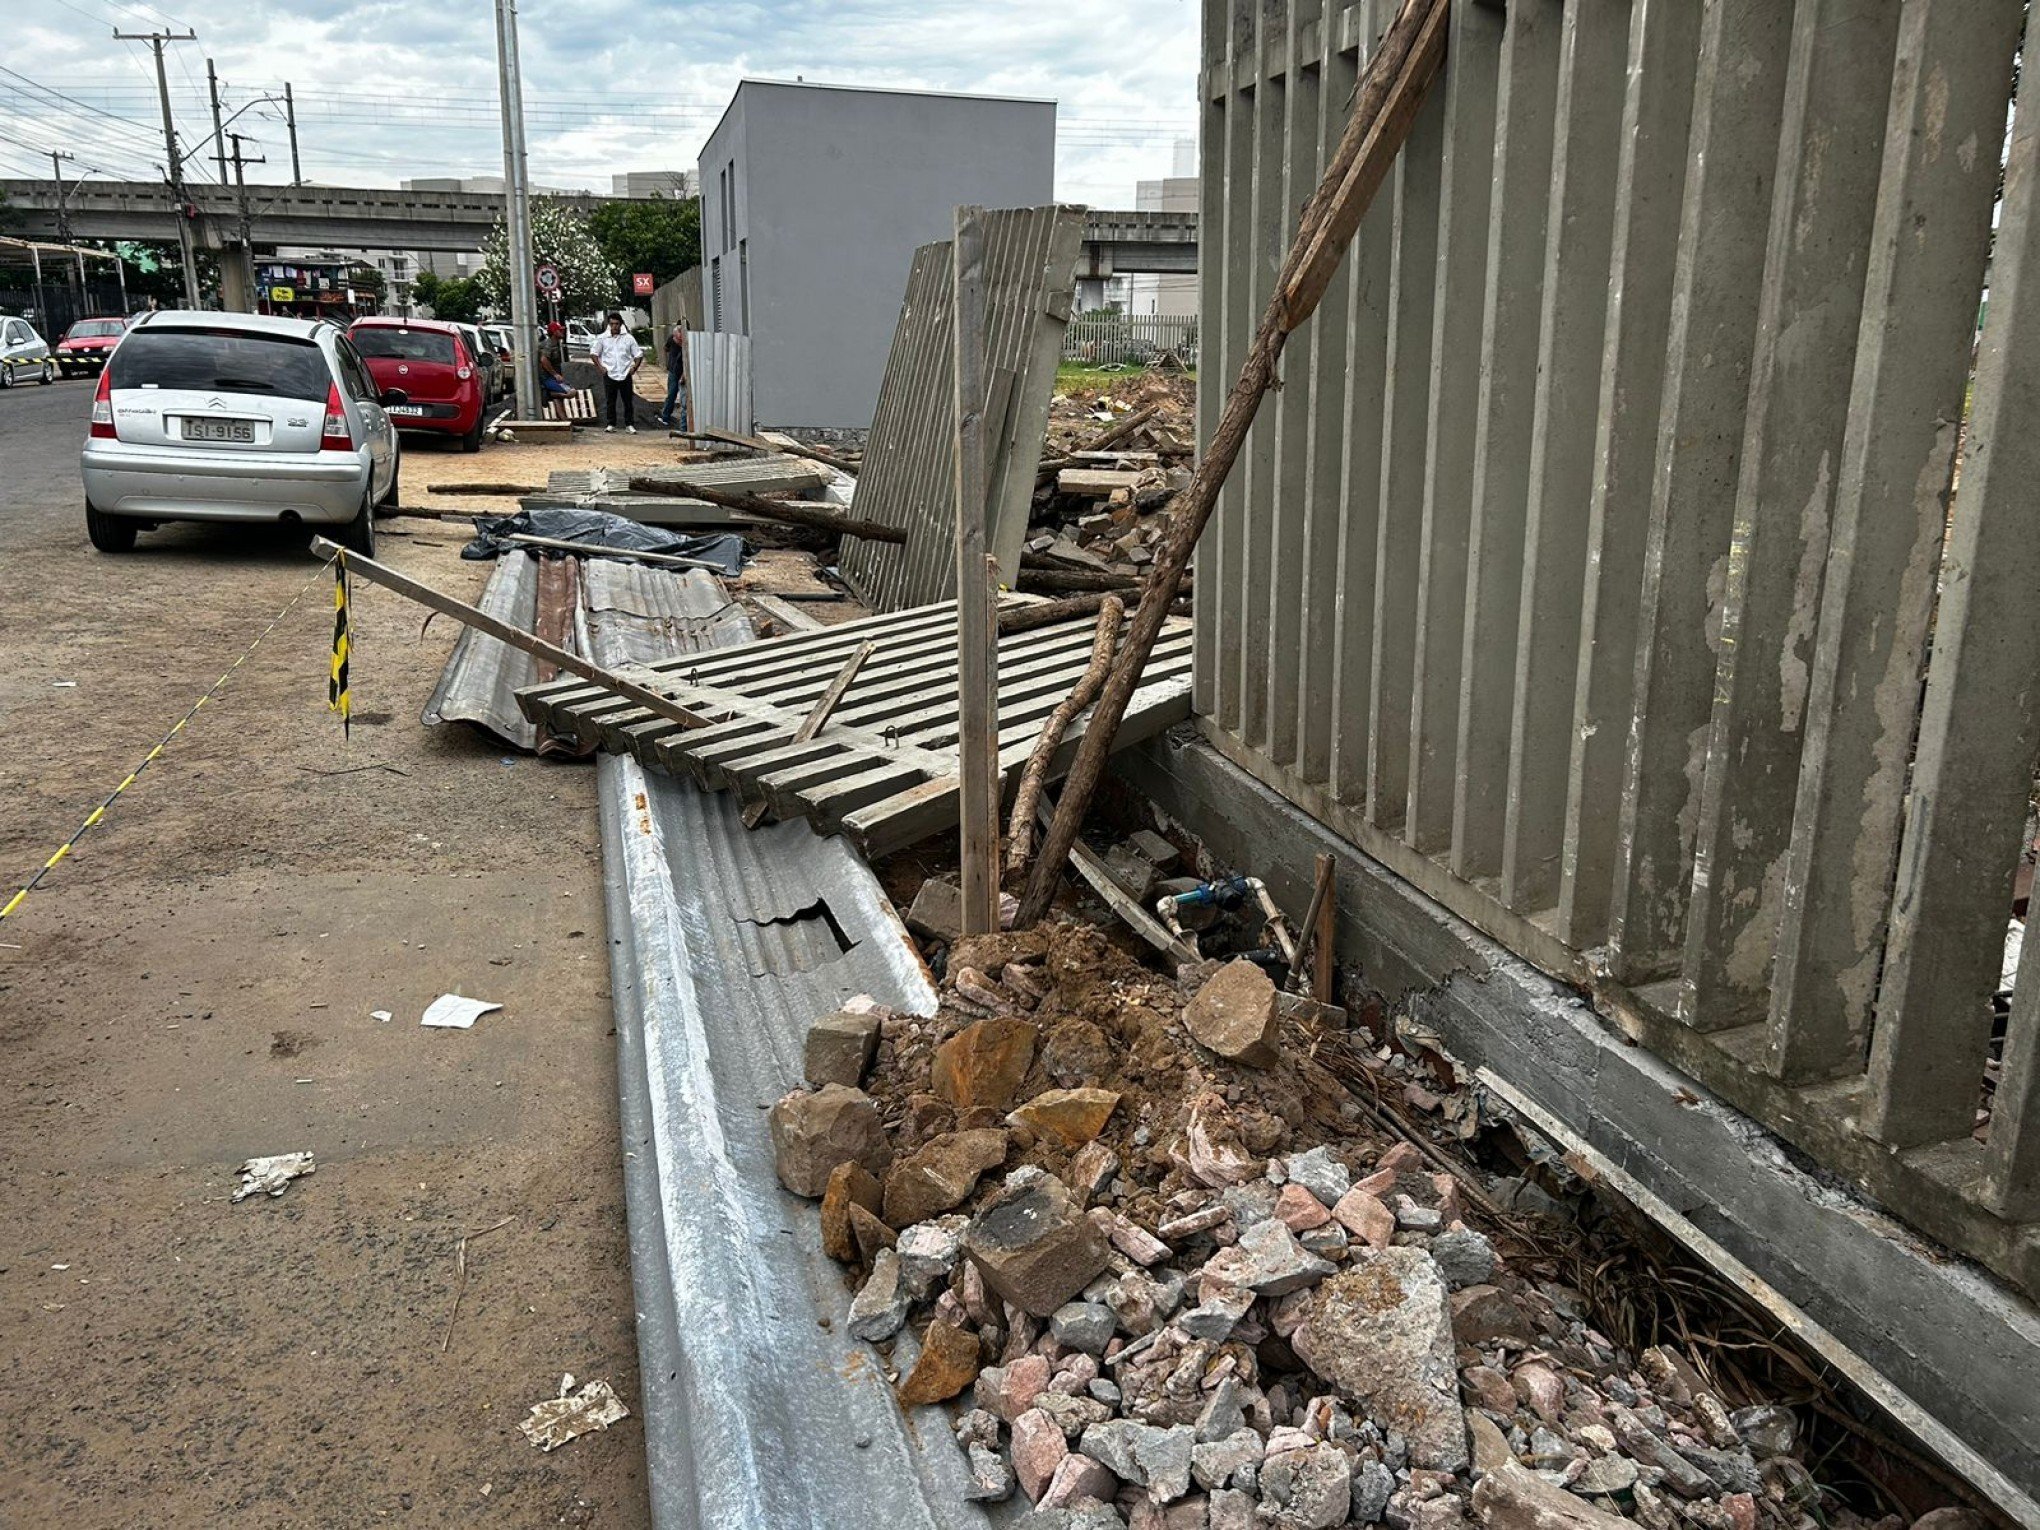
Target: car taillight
[(336, 437), (102, 407)]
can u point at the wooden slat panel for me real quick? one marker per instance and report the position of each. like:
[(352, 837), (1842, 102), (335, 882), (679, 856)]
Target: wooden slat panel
[(1579, 237), (1980, 725), (1405, 425), (1664, 41), (1829, 157), (1521, 202), (1731, 158), (1925, 279), (1472, 76)]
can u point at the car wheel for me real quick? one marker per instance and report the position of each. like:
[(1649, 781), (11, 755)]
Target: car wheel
[(472, 441), (49, 374), (109, 533), (358, 535), (6, 374)]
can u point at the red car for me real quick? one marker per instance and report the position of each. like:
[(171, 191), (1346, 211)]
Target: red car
[(85, 345), (428, 362)]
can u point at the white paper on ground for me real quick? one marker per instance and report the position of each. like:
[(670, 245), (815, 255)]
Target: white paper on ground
[(451, 1010)]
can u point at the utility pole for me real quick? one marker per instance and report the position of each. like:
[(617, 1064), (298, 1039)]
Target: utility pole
[(57, 158), (517, 219), (297, 175), (219, 141), (247, 220), (184, 241)]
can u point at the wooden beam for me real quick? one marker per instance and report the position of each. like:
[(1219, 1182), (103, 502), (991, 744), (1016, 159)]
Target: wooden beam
[(797, 512), (757, 444), (503, 632), (818, 715)]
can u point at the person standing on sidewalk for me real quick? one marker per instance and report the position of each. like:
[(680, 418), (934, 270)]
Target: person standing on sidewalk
[(618, 356), (676, 374)]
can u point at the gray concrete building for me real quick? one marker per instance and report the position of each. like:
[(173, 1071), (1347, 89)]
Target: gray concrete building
[(655, 183), (814, 198)]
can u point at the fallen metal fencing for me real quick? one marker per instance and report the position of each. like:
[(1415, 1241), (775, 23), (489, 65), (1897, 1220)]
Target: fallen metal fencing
[(1105, 339), (1030, 262), (1599, 566), (719, 380)]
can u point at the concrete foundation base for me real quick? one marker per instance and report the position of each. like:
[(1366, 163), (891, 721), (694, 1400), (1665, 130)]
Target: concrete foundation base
[(1952, 1355)]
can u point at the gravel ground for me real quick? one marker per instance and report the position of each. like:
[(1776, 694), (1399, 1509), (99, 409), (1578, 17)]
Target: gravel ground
[(193, 987)]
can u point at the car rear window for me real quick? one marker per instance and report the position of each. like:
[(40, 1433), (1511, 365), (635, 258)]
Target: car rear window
[(403, 344), (221, 361), (96, 329)]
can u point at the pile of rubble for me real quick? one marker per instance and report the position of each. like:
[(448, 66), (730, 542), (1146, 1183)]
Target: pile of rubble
[(1149, 1242), (1110, 465)]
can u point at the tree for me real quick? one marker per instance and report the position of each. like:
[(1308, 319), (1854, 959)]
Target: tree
[(560, 239), (157, 271), (662, 236), (458, 300)]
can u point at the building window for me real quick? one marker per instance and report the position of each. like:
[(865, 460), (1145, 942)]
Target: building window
[(744, 283)]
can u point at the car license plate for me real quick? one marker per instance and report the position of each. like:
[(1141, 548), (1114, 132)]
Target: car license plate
[(409, 411), (220, 430)]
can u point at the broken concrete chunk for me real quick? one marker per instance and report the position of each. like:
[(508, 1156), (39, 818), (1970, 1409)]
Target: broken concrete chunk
[(869, 1232), (1211, 1150), (1092, 1170), (1234, 1014), (1085, 1326), (1308, 1489), (1320, 1172), (991, 1480), (1298, 1210), (1010, 1390), (948, 1363), (1267, 1260), (937, 911), (940, 1174), (1159, 853), (849, 1184), (1463, 1256), (1381, 1333), (1137, 1243), (1032, 1245), (813, 1132), (1219, 1463), (881, 1307), (1148, 1456), (1038, 1449), (928, 1252), (840, 1047), (1482, 1314), (1219, 1311), (1078, 1476), (1071, 1117), (983, 1064), (1510, 1496), (1373, 1486)]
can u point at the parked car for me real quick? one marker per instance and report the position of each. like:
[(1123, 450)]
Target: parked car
[(85, 345), (495, 376), (24, 354), (430, 361), (237, 417)]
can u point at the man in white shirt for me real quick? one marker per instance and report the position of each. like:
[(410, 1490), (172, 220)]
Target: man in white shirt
[(618, 356)]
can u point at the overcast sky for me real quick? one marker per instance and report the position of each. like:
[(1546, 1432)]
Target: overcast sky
[(390, 89)]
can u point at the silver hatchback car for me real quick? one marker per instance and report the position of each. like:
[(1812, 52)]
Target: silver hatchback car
[(237, 417)]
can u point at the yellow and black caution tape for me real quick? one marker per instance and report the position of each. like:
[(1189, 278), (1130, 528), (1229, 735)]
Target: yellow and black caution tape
[(92, 819), (338, 697)]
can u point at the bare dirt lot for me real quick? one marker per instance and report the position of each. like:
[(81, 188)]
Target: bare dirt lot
[(193, 986)]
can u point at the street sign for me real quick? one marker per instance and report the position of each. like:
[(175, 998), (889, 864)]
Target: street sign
[(641, 284), (548, 279)]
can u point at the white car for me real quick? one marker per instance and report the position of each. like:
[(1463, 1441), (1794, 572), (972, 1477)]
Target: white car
[(237, 417), (24, 354)]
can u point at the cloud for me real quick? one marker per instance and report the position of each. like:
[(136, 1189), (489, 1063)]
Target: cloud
[(389, 90)]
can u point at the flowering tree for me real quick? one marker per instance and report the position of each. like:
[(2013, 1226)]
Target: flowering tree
[(560, 238)]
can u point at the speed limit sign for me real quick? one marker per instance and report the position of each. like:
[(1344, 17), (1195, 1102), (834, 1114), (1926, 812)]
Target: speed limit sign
[(548, 278)]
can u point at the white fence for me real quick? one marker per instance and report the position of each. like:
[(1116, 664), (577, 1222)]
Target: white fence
[(1102, 339)]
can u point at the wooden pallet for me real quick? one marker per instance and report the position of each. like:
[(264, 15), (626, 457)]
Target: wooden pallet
[(883, 769)]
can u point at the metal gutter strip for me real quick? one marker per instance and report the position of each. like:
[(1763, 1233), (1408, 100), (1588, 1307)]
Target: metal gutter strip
[(724, 944)]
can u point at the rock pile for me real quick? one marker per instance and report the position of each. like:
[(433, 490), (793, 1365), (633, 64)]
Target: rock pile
[(1151, 1314)]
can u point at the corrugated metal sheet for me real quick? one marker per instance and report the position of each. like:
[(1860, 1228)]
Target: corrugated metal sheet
[(719, 380), (724, 945), (482, 676), (1030, 275)]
